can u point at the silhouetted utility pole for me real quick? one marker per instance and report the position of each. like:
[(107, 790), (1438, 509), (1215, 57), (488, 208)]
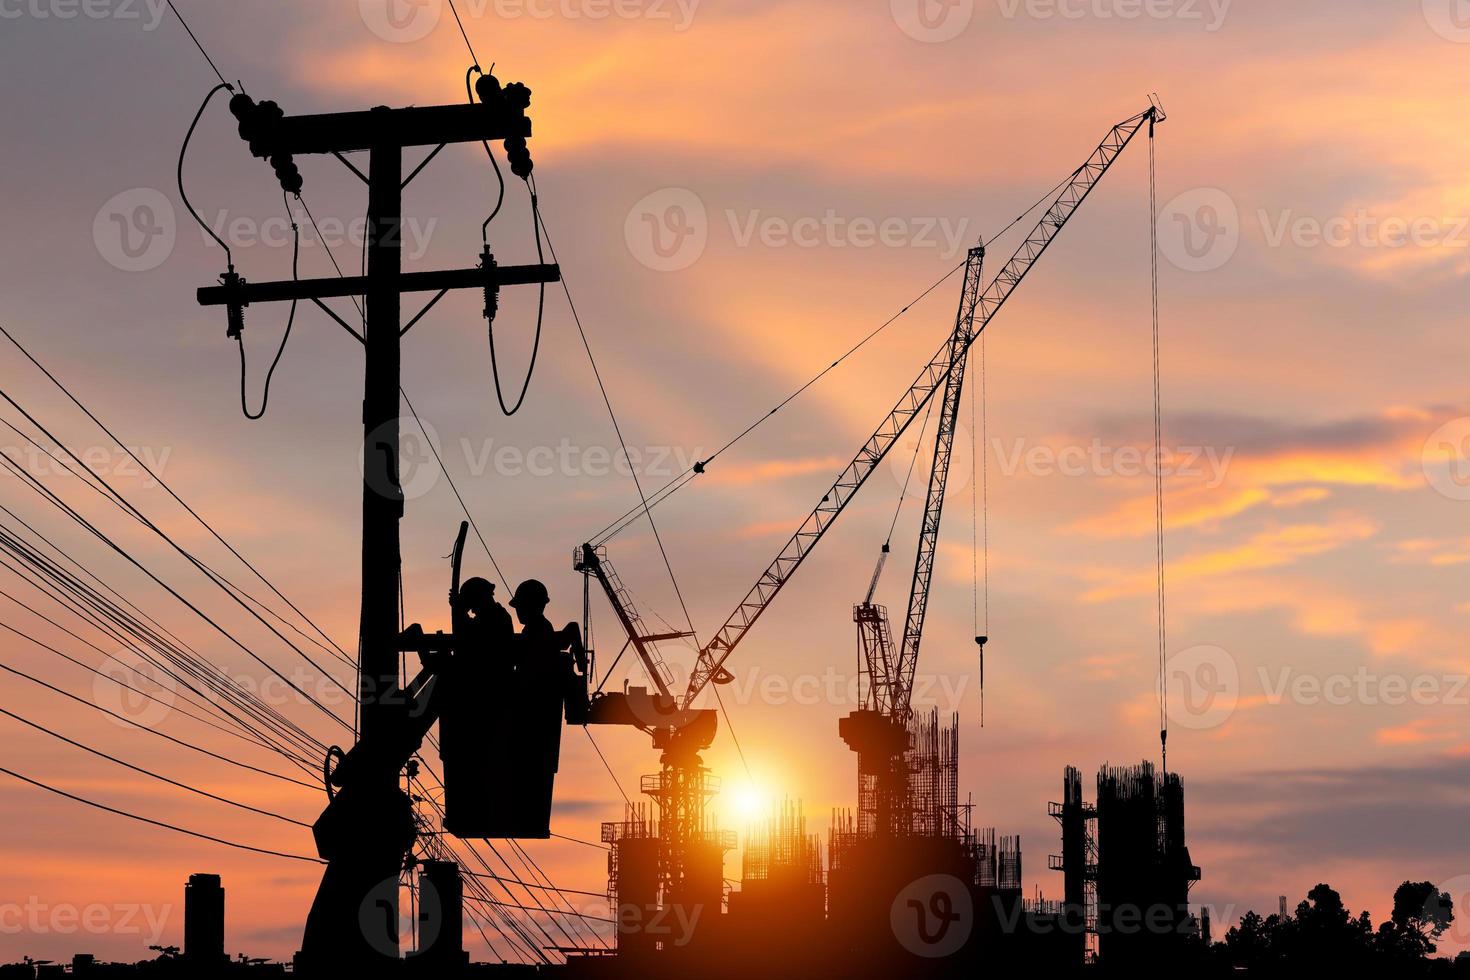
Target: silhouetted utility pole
[(384, 133)]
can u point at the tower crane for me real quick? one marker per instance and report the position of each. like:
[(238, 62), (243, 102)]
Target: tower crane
[(878, 730)]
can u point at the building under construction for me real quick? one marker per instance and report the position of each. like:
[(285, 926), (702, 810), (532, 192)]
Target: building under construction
[(1126, 867), (924, 890)]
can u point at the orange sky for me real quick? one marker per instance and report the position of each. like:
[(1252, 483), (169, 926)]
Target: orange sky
[(1315, 237)]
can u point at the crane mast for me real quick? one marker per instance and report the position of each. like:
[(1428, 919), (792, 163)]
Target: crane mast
[(902, 673), (986, 303)]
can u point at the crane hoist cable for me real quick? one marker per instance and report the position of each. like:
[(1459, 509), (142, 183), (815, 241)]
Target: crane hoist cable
[(903, 493), (1153, 224)]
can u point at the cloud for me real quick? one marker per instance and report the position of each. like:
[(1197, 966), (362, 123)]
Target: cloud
[(1413, 813), (1240, 463), (1273, 548)]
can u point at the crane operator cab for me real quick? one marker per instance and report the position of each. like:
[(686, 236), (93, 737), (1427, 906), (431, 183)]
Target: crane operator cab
[(504, 697)]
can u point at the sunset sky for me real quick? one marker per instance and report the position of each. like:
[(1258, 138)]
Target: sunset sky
[(738, 192)]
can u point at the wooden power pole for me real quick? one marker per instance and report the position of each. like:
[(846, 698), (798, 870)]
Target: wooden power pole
[(384, 133)]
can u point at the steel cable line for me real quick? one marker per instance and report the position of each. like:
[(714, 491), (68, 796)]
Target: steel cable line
[(1153, 212), (190, 32), (438, 808), (457, 496), (540, 314), (168, 705), (158, 823), (123, 718), (488, 899), (265, 397), (197, 564), (95, 482), (91, 528), (529, 863), (242, 700), (153, 622), (186, 660), (87, 477), (678, 483), (148, 772), (183, 151), (177, 499), (612, 415)]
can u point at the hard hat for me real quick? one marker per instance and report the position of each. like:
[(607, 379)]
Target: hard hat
[(530, 593), (476, 591)]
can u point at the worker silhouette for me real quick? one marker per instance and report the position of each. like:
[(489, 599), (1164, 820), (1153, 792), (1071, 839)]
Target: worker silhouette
[(504, 695), (546, 689), (475, 743)]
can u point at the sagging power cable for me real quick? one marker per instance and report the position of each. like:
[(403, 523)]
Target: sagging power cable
[(158, 823), (509, 410), (334, 648), (183, 151), (148, 772), (265, 397)]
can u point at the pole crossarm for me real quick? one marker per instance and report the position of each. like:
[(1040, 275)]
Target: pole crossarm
[(408, 282), (347, 132)]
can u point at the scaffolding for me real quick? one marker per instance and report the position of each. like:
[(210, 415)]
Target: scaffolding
[(1144, 865), (781, 849)]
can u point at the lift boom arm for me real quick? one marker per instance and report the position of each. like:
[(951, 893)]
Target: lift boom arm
[(986, 303)]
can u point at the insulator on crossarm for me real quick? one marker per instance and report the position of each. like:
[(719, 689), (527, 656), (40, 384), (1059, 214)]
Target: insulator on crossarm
[(487, 87), (519, 156), (492, 288), (235, 308), (517, 96)]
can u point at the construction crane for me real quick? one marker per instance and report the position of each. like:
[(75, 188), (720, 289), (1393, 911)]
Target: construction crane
[(878, 730)]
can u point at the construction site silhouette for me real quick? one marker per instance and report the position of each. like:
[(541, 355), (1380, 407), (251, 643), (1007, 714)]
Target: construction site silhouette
[(452, 744)]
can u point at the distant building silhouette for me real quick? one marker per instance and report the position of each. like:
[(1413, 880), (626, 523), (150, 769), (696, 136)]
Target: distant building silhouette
[(204, 921)]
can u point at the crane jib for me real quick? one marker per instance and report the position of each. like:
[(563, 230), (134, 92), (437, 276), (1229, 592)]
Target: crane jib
[(986, 304)]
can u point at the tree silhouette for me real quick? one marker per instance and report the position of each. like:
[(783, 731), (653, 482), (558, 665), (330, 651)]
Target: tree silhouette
[(1421, 914), (1324, 936)]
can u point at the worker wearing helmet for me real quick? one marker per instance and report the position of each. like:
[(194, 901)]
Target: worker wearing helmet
[(545, 677), (474, 744)]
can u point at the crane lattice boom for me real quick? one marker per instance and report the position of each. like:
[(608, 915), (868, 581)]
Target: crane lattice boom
[(986, 303)]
